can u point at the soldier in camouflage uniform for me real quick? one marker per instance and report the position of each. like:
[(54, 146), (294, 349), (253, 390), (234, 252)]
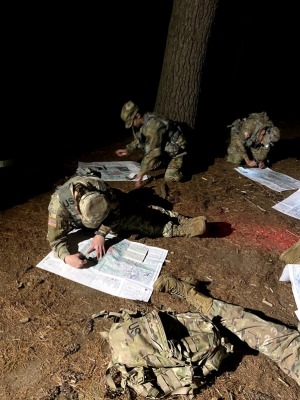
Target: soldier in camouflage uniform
[(251, 140), (278, 342), (88, 202), (160, 139)]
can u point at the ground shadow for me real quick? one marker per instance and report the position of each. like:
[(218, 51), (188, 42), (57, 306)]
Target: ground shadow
[(148, 197), (74, 238), (203, 146), (285, 148), (20, 183), (218, 229)]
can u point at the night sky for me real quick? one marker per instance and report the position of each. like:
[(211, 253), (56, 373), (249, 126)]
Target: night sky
[(69, 69)]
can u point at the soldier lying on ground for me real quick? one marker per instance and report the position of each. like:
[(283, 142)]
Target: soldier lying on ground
[(89, 202), (278, 342), (160, 139), (251, 140)]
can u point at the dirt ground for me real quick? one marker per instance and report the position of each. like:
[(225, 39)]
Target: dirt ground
[(51, 348)]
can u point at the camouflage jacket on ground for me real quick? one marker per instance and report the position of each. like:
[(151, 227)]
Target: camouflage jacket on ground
[(157, 137), (63, 215), (159, 354)]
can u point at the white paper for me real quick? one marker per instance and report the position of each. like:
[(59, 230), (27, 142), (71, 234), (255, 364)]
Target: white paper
[(114, 274), (136, 252), (273, 180), (291, 273), (113, 170), (290, 206)]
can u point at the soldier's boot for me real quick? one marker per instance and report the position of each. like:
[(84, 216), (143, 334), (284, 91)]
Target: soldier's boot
[(292, 254), (190, 227), (184, 288)]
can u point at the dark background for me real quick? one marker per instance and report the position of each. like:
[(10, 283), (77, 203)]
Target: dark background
[(68, 69)]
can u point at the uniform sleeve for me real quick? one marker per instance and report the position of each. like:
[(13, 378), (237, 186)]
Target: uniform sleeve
[(103, 230), (247, 126), (153, 132), (132, 146), (58, 228)]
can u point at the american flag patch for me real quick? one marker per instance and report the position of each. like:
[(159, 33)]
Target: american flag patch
[(52, 222)]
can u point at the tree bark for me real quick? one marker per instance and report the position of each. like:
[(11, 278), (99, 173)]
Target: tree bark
[(187, 40)]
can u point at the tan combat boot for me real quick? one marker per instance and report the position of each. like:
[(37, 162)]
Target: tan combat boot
[(189, 227), (184, 288), (292, 254)]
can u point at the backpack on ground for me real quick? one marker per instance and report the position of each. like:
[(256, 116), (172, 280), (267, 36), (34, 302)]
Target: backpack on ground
[(163, 353)]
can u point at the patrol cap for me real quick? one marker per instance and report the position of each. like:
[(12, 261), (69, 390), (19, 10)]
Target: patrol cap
[(128, 112), (94, 209)]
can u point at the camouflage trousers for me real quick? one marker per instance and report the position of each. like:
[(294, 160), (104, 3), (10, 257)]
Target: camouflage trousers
[(278, 342), (135, 217), (173, 171), (292, 254), (235, 150), (174, 218)]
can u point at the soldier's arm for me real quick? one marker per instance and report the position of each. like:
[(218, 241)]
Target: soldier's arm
[(260, 155), (132, 146), (153, 133), (250, 163), (240, 145), (103, 230), (58, 229), (245, 133)]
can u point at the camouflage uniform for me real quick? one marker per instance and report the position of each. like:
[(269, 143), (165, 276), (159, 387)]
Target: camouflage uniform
[(161, 141), (125, 214), (292, 254), (63, 215), (278, 342), (240, 146)]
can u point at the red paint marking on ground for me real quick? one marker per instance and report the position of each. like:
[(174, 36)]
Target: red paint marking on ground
[(266, 237)]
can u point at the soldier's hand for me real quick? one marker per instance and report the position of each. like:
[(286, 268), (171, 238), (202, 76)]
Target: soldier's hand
[(77, 260), (261, 164), (121, 152), (97, 245), (251, 163), (139, 179)]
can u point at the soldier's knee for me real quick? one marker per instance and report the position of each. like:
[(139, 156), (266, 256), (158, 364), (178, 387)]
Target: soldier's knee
[(233, 155), (235, 159), (173, 175)]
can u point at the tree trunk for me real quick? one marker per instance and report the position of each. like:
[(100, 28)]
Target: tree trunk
[(188, 34)]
